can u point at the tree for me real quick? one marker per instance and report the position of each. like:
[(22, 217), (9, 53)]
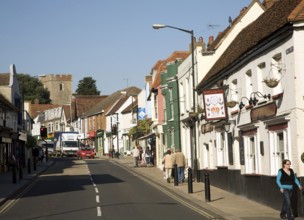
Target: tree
[(87, 86), (31, 88), (143, 128)]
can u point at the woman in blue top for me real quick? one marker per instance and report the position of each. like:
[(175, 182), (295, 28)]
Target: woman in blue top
[(285, 180)]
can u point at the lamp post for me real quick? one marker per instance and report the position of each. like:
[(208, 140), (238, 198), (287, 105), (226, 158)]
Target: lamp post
[(193, 127)]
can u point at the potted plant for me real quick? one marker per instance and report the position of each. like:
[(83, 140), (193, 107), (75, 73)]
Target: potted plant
[(231, 104), (271, 82)]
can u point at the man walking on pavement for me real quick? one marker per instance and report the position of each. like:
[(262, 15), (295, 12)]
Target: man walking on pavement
[(180, 160), (135, 154)]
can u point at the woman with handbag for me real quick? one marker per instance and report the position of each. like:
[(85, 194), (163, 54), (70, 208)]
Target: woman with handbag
[(285, 180)]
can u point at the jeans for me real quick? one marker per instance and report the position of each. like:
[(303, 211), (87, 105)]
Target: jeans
[(286, 205), (181, 174)]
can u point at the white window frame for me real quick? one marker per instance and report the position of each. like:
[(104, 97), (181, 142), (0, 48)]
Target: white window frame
[(251, 154), (275, 154), (221, 149)]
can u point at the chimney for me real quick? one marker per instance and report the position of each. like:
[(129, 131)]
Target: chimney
[(211, 39)]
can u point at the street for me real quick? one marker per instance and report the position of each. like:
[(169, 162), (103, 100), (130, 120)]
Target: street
[(95, 189)]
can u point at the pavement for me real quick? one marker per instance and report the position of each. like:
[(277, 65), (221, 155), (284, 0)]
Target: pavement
[(222, 204)]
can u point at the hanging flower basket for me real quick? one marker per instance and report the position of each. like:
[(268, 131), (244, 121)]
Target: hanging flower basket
[(231, 104), (271, 83)]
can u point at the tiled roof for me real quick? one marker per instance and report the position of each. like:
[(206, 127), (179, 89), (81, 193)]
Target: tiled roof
[(298, 13), (270, 21), (128, 109), (36, 109), (117, 105), (67, 112), (109, 101), (160, 65), (83, 103), (4, 79), (4, 103), (221, 35)]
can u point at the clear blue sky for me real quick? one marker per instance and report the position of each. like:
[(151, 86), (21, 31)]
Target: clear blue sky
[(111, 40)]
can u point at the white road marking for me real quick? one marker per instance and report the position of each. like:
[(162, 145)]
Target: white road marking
[(97, 199), (99, 212)]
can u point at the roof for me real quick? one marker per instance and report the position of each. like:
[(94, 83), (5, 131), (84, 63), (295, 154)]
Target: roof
[(4, 103), (133, 105), (279, 15), (117, 105), (67, 112), (36, 109), (4, 79), (82, 103), (110, 100), (221, 35), (161, 65)]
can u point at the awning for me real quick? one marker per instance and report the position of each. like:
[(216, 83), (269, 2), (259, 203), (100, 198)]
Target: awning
[(147, 136)]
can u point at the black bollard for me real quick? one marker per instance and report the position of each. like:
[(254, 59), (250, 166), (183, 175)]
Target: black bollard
[(29, 166), (14, 173), (207, 188), (20, 170), (190, 183), (175, 175)]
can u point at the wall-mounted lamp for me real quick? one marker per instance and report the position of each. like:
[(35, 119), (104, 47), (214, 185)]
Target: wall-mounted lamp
[(241, 105), (259, 94), (227, 126), (253, 99)]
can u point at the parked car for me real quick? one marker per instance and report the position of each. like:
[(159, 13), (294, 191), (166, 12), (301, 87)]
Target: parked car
[(86, 152)]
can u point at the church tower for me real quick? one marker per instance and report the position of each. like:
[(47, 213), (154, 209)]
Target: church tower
[(60, 87)]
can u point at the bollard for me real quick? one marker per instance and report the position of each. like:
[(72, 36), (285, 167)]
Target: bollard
[(175, 175), (14, 173), (190, 183), (20, 170), (207, 188), (29, 166)]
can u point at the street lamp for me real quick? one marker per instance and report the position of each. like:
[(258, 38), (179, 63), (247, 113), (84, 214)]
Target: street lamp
[(193, 127)]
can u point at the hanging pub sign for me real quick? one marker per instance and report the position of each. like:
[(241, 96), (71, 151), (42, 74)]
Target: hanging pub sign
[(214, 102)]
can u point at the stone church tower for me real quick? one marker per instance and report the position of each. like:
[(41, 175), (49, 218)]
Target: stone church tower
[(60, 87)]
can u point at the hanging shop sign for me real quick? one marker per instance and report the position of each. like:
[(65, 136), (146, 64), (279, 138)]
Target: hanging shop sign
[(214, 102)]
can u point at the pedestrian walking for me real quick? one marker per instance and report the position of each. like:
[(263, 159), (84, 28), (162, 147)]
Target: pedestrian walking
[(180, 161), (148, 155), (285, 180), (135, 153), (168, 163), (35, 154), (40, 155)]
